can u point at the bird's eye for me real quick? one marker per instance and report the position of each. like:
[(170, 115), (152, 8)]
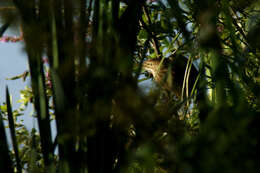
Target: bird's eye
[(147, 74)]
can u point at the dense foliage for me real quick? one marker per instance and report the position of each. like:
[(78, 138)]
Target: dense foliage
[(85, 65)]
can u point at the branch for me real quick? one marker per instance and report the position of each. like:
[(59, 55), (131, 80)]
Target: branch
[(155, 42)]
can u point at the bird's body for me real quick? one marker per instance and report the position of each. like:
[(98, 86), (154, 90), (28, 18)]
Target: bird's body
[(170, 73)]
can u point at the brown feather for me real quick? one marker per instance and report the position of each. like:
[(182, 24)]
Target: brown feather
[(170, 73)]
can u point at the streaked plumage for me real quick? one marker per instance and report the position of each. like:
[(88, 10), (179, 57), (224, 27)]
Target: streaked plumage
[(170, 73)]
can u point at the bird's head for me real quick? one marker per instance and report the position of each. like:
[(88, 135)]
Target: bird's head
[(152, 66)]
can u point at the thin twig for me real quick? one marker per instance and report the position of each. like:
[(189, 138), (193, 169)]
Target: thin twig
[(7, 8), (155, 42)]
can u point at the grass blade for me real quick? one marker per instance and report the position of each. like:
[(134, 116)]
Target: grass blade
[(5, 160), (12, 131)]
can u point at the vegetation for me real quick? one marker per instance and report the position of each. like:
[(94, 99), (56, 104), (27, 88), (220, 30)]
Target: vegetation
[(85, 66)]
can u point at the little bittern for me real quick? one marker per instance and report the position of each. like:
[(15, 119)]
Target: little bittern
[(170, 73)]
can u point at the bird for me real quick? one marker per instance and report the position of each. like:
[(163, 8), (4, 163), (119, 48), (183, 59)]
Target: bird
[(169, 73)]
